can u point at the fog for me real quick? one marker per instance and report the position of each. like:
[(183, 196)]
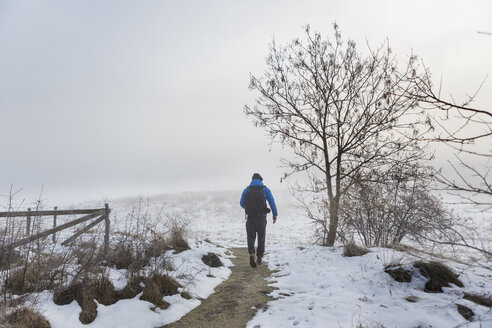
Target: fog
[(102, 99)]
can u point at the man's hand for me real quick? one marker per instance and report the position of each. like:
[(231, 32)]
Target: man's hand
[(274, 219)]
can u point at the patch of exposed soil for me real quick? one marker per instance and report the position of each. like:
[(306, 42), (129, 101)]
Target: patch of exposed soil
[(235, 301)]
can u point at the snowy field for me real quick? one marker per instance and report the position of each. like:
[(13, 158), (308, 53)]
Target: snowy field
[(316, 286)]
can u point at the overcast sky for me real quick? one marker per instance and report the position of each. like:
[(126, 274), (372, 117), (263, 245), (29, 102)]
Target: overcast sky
[(109, 98)]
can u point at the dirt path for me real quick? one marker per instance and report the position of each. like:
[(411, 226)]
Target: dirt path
[(235, 301)]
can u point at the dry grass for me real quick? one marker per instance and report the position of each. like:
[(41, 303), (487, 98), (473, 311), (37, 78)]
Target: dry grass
[(132, 288), (479, 299), (24, 318), (88, 253), (9, 258), (212, 260), (85, 292), (439, 276), (398, 273), (156, 248), (158, 286), (124, 255), (88, 282), (465, 311), (177, 241), (40, 274), (177, 230), (352, 249)]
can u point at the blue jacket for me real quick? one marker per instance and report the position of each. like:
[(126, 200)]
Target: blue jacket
[(268, 195)]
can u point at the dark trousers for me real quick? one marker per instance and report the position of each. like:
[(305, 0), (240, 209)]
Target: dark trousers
[(256, 225)]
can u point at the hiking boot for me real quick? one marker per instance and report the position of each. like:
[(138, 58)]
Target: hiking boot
[(252, 261), (258, 260)]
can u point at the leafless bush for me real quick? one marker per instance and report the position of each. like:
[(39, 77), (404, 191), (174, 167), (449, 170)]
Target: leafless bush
[(383, 212)]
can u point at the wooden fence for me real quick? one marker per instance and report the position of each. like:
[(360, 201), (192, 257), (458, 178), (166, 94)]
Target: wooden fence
[(99, 214)]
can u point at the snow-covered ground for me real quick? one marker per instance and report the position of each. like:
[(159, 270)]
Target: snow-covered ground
[(316, 286), (139, 313)]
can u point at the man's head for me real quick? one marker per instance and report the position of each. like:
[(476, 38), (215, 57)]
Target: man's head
[(257, 176)]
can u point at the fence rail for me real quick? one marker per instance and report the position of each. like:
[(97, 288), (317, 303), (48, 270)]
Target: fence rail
[(99, 214)]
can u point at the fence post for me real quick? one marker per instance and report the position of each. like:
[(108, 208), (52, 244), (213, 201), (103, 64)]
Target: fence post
[(54, 226), (106, 234), (28, 225)]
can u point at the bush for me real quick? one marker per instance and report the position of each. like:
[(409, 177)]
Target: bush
[(352, 249), (398, 205)]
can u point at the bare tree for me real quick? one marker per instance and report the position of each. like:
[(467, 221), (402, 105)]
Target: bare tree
[(340, 113), (471, 140)]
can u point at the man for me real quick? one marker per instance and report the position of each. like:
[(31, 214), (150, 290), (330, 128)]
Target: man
[(253, 200)]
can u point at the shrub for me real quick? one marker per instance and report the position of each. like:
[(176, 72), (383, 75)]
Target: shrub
[(352, 249), (398, 205)]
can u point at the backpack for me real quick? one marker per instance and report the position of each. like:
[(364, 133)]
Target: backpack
[(254, 201)]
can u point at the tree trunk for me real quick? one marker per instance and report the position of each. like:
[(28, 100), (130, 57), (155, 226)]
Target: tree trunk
[(332, 232)]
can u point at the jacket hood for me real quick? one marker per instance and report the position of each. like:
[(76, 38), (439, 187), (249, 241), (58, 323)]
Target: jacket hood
[(256, 183)]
